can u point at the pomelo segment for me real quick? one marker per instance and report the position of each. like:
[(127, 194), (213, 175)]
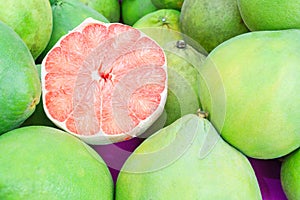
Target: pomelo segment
[(104, 82)]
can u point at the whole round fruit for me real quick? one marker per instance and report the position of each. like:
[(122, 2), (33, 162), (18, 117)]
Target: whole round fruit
[(20, 87), (67, 14), (251, 93), (133, 10), (104, 82), (270, 14), (108, 8), (211, 22), (169, 4), (161, 25), (188, 152), (290, 175), (39, 162), (31, 19)]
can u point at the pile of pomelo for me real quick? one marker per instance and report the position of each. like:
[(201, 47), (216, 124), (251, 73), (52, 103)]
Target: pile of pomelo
[(195, 89)]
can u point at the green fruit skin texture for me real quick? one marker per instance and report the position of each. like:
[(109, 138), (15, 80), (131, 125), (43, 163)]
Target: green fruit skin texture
[(169, 4), (161, 25), (31, 19), (249, 87), (223, 173), (211, 22), (270, 14), (133, 10), (39, 162), (68, 14), (183, 81), (108, 8), (20, 88), (39, 116), (290, 175)]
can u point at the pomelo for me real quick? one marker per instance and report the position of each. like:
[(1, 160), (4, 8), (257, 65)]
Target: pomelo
[(39, 162), (20, 88), (251, 93), (290, 175), (161, 25), (31, 19), (211, 22), (39, 116), (133, 10), (104, 82), (183, 63), (108, 8), (187, 160), (169, 4), (67, 14), (270, 14)]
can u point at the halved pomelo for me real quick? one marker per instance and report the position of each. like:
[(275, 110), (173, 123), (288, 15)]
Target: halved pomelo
[(104, 82)]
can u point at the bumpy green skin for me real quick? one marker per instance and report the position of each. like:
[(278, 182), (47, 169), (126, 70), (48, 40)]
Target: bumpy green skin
[(224, 173), (270, 14), (31, 19), (20, 88), (133, 10), (45, 163), (161, 25), (290, 175), (67, 14), (108, 8), (249, 86), (169, 4), (211, 22), (39, 116), (183, 81)]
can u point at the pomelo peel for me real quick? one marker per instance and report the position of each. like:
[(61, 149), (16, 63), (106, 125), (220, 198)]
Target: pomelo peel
[(18, 100), (182, 147), (54, 165), (263, 78)]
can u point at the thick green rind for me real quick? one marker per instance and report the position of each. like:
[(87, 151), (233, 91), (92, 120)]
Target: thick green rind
[(68, 14), (290, 175), (211, 22), (224, 173), (45, 163), (250, 92), (31, 19), (20, 88)]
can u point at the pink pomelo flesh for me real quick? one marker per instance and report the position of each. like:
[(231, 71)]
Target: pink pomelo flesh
[(104, 80)]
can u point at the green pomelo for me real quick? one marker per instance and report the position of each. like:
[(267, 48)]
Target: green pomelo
[(40, 162), (187, 160), (20, 88), (290, 175), (31, 19), (133, 10), (251, 93), (169, 4), (270, 14), (211, 22), (161, 25), (68, 14), (39, 116), (108, 8)]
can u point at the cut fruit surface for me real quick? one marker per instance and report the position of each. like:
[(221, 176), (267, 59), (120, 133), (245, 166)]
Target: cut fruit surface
[(104, 82)]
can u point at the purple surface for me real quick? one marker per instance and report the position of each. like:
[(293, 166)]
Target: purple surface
[(267, 171)]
